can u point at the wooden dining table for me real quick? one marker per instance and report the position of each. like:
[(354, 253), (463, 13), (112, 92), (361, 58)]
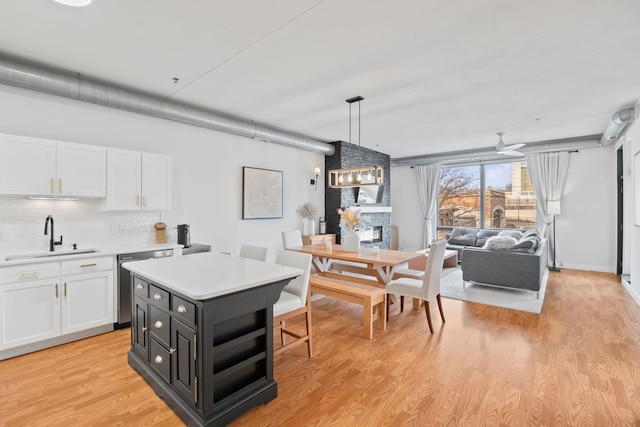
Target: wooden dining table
[(371, 267)]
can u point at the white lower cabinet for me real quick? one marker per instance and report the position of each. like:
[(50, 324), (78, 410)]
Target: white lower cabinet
[(50, 302), (30, 312), (87, 301)]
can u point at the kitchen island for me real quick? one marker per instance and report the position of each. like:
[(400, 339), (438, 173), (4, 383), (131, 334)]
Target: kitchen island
[(202, 332)]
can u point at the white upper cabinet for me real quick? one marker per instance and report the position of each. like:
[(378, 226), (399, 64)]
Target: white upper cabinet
[(40, 167), (137, 181), (82, 170)]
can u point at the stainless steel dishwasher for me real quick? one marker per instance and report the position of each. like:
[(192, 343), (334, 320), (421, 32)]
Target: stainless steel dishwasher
[(124, 283)]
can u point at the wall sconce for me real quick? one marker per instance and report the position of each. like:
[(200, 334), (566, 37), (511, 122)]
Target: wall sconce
[(316, 172), (356, 177)]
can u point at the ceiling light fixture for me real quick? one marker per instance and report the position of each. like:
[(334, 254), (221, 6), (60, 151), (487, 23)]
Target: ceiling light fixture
[(351, 101), (76, 3)]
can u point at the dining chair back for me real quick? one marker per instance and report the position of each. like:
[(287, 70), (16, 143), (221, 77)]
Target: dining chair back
[(291, 239), (253, 252), (427, 289), (295, 300)]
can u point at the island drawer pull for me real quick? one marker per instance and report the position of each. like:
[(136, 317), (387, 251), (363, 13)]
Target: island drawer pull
[(139, 286), (182, 308), (157, 296), (158, 359), (144, 329), (158, 325), (28, 273), (172, 350), (88, 265)]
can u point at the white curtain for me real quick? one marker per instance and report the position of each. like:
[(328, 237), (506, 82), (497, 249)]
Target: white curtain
[(548, 172), (428, 186)]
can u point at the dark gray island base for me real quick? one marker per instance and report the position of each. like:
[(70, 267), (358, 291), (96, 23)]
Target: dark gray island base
[(211, 360)]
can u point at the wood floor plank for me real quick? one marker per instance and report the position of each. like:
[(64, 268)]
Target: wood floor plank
[(577, 363)]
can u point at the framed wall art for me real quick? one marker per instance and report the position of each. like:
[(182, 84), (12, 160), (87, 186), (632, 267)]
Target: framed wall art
[(261, 193)]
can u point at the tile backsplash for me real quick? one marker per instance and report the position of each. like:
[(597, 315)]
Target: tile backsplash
[(22, 223)]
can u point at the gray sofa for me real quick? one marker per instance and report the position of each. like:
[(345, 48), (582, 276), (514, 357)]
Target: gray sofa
[(505, 268), (462, 237)]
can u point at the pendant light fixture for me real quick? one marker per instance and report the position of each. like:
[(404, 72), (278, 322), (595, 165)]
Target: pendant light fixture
[(356, 176)]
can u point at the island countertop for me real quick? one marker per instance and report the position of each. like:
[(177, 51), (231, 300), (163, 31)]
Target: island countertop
[(208, 275)]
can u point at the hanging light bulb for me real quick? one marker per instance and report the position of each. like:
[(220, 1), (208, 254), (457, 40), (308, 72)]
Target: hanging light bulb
[(350, 177), (359, 176), (340, 180)]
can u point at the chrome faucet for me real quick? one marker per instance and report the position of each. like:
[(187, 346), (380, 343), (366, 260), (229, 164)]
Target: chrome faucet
[(52, 241)]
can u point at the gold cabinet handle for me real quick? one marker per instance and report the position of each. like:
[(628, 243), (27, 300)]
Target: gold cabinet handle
[(65, 289), (144, 201), (158, 359), (28, 273), (138, 200), (182, 309), (60, 185), (157, 296), (158, 325), (88, 265), (139, 286), (172, 350), (52, 184), (144, 329), (56, 290)]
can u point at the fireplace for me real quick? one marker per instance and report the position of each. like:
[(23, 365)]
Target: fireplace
[(371, 234)]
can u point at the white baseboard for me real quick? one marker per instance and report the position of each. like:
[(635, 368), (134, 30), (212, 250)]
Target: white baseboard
[(634, 294)]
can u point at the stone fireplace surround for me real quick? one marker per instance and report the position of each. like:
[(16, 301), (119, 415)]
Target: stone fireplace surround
[(346, 156)]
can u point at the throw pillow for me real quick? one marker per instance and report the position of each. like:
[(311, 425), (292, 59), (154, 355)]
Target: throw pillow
[(531, 232), (500, 243), (463, 237), (530, 242), (511, 233)]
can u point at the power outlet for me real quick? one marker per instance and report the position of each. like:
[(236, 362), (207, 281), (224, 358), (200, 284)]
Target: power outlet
[(5, 235)]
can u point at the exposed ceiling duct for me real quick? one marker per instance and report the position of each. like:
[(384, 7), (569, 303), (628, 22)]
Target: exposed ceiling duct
[(71, 85), (617, 124), (489, 155)]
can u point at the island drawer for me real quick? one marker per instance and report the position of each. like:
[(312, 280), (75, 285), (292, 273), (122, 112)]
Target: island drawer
[(160, 325), (159, 297), (27, 272), (160, 359), (140, 287), (183, 309)]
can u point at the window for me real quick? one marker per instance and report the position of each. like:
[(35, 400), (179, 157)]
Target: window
[(498, 195)]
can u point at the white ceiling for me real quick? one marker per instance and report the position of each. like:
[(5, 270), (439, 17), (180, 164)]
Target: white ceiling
[(436, 76)]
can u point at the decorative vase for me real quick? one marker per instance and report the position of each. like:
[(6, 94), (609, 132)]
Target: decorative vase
[(351, 242), (308, 227)]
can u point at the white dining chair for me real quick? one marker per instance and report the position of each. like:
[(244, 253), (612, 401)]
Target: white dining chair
[(427, 289), (291, 239), (253, 252), (294, 301)]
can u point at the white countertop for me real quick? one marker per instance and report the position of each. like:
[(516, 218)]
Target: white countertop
[(208, 275), (102, 250)]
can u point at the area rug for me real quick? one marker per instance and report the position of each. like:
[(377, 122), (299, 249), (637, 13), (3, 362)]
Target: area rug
[(515, 299)]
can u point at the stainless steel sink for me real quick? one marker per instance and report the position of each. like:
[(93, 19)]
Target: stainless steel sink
[(50, 254)]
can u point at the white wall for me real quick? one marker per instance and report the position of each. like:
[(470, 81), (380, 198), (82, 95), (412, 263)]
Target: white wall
[(632, 233), (586, 227), (207, 165)]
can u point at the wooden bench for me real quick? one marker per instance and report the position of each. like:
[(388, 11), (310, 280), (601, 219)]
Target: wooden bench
[(369, 297)]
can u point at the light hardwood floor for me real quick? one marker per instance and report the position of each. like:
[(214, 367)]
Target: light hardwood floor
[(577, 363)]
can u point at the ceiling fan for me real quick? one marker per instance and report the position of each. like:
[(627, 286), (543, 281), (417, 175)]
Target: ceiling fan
[(509, 150)]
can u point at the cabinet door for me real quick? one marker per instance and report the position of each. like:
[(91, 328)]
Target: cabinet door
[(183, 364), (140, 327), (29, 312), (28, 166), (82, 170), (87, 301), (156, 181), (123, 180)]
